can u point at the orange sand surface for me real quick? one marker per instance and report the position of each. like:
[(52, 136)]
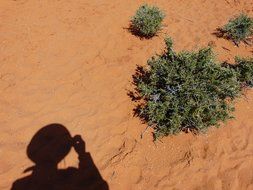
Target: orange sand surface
[(71, 62)]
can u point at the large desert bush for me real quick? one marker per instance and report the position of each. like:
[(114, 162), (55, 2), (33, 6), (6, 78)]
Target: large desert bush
[(238, 28), (147, 21), (188, 91)]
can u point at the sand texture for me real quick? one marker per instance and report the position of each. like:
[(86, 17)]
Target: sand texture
[(71, 62)]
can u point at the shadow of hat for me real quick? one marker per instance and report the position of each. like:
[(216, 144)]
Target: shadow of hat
[(50, 144)]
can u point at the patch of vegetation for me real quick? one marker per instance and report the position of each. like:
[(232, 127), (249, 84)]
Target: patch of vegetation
[(189, 91), (244, 68), (239, 28), (147, 21)]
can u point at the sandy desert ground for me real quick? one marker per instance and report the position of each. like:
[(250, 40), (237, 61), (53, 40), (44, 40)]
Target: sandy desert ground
[(71, 62)]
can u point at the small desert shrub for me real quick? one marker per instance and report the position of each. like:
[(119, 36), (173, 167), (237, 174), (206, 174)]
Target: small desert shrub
[(147, 21), (188, 90), (238, 28), (244, 68)]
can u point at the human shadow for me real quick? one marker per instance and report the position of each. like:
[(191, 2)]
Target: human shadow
[(47, 148)]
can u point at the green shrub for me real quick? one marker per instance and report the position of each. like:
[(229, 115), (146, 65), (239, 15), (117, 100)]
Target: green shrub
[(244, 68), (187, 90), (239, 28), (147, 21)]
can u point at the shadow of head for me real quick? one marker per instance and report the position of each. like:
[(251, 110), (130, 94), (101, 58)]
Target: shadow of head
[(49, 145)]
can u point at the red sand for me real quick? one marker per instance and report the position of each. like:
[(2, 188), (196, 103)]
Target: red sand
[(72, 61)]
